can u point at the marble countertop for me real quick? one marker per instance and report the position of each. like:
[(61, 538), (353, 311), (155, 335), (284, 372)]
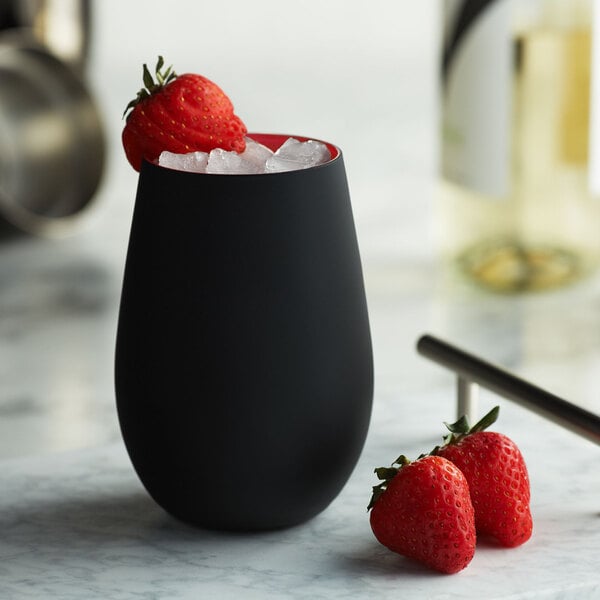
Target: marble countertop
[(79, 525), (74, 520)]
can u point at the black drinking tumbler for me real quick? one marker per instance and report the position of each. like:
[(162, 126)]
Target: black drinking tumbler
[(244, 370)]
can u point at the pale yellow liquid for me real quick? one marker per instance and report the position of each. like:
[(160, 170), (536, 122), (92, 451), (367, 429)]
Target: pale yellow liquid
[(546, 233)]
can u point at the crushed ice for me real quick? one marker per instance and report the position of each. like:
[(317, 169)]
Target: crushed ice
[(293, 154), (194, 161), (256, 158)]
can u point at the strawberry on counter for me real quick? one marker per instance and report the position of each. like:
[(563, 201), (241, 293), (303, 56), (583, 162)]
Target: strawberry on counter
[(433, 509), (423, 510), (497, 476)]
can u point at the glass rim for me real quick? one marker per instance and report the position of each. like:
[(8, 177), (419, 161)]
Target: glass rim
[(272, 141)]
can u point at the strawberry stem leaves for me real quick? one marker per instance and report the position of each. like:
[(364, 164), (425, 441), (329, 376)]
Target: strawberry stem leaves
[(458, 430), (148, 80), (462, 428), (163, 78), (385, 475), (486, 421)]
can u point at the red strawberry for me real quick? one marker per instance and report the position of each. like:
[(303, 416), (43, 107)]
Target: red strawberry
[(497, 476), (423, 510), (181, 114)]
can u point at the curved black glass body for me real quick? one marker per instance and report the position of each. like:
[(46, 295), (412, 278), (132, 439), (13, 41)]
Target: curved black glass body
[(244, 372)]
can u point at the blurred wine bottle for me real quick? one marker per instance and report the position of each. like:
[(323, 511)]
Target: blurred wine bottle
[(520, 143)]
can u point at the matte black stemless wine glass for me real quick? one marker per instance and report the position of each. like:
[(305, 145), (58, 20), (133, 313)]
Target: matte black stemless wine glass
[(244, 371)]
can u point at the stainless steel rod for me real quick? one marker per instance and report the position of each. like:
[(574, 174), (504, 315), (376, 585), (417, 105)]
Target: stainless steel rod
[(467, 394), (504, 383)]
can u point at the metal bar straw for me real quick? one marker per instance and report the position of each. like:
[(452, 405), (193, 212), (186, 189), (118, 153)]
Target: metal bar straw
[(472, 371)]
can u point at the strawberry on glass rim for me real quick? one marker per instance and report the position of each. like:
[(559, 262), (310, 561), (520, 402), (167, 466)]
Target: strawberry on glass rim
[(180, 114)]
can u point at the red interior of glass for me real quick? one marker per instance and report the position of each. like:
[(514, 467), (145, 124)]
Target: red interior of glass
[(274, 140)]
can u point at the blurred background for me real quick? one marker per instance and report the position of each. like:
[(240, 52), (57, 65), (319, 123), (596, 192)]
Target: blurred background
[(365, 77)]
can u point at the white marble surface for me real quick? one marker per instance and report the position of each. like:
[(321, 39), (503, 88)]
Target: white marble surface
[(79, 525), (74, 520)]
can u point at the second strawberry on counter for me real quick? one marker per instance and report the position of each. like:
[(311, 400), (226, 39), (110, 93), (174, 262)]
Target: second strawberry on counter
[(428, 517)]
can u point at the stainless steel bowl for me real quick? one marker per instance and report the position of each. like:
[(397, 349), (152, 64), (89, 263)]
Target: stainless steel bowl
[(52, 146), (63, 26)]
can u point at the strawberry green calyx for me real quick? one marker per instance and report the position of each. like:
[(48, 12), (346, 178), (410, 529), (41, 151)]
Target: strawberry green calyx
[(151, 86), (458, 431), (462, 428), (385, 475)]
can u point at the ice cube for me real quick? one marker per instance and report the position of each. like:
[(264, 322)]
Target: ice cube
[(256, 153), (194, 162), (294, 154), (231, 163)]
